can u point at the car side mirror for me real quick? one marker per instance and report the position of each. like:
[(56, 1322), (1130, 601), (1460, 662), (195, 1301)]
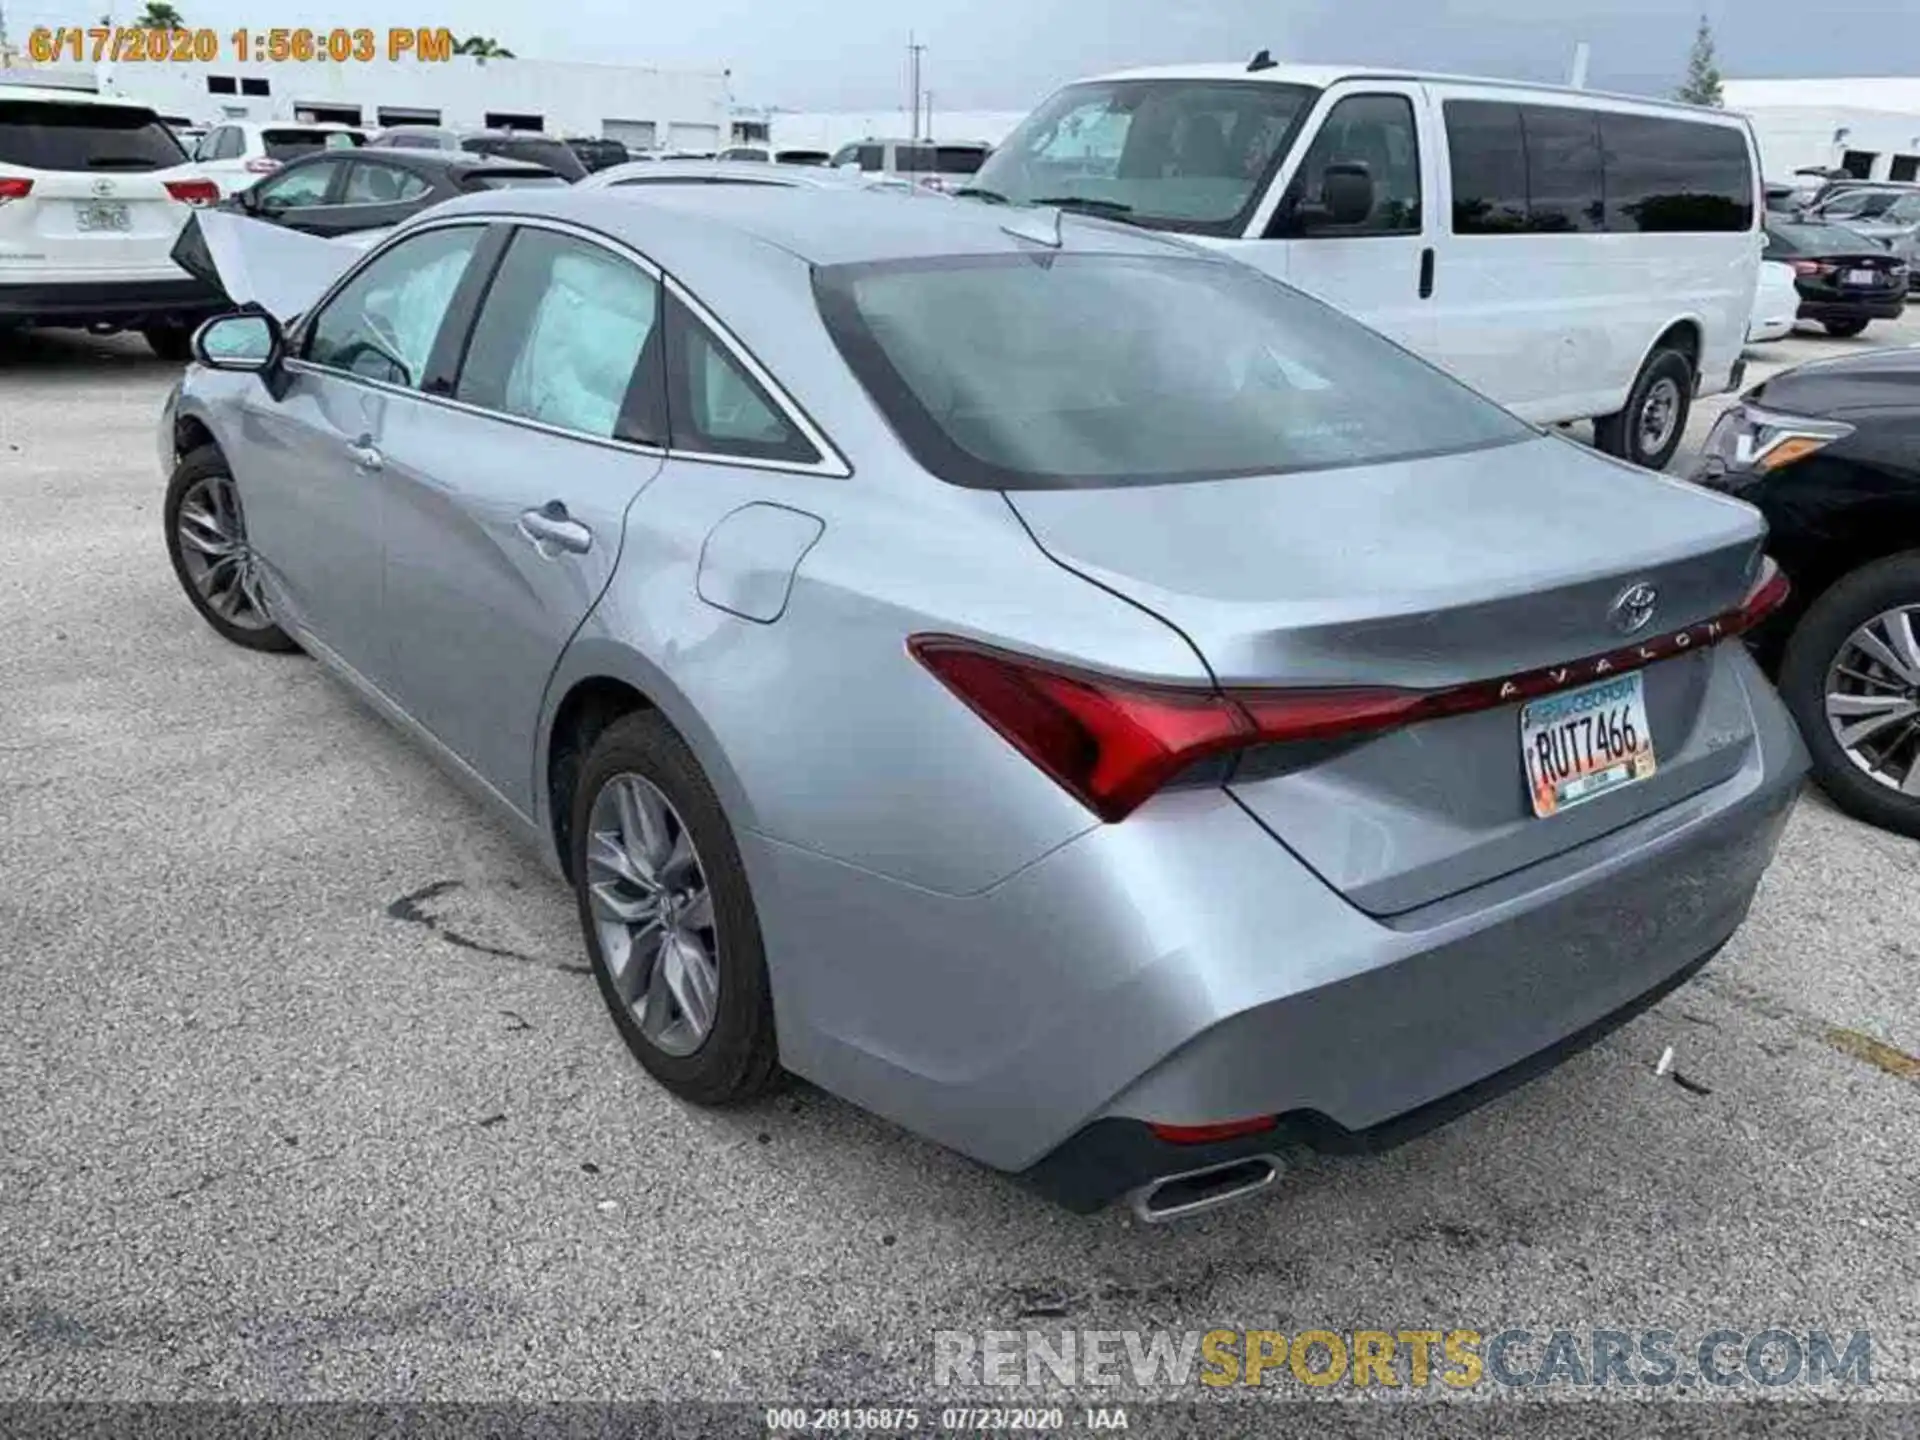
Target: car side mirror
[(1346, 192), (244, 340)]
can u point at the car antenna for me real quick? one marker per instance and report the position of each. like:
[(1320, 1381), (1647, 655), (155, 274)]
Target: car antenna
[(1262, 61), (1040, 225)]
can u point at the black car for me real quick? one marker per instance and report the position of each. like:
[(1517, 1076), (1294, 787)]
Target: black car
[(1845, 279), (337, 192), (529, 145), (598, 154), (1830, 453)]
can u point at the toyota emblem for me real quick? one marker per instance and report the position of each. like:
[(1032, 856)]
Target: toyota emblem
[(1633, 607), (103, 186)]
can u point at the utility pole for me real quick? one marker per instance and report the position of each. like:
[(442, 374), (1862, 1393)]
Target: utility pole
[(1577, 72), (913, 81)]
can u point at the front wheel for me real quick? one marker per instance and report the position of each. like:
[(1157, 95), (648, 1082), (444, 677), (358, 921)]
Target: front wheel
[(1851, 677), (668, 916), (1648, 428), (1845, 329), (206, 533)]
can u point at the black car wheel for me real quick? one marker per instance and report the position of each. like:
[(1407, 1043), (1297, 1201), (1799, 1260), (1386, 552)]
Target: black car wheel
[(1851, 677), (1845, 328), (170, 342), (1648, 430)]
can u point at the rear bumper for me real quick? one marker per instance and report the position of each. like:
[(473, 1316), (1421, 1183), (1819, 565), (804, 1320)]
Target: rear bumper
[(127, 303), (1185, 967), (1890, 306)]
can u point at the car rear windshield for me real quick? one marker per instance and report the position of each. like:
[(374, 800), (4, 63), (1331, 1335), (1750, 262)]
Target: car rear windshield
[(46, 135), (512, 180), (1071, 371), (550, 153), (290, 143), (1191, 155), (1808, 239)]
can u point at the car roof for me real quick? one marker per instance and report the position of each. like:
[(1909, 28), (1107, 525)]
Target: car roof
[(45, 94), (1321, 76), (680, 226), (757, 172)]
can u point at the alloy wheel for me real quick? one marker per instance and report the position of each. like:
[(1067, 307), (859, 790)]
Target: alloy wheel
[(1659, 414), (215, 554), (1873, 698), (653, 913)]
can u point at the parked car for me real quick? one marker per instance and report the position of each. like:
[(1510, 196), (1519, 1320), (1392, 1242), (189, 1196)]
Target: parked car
[(1179, 753), (1783, 198), (237, 153), (801, 157), (945, 165), (758, 154), (344, 192), (1776, 303), (652, 173), (1830, 453), (1452, 215), (1890, 216), (1836, 185), (1844, 278), (529, 145), (598, 154), (93, 192)]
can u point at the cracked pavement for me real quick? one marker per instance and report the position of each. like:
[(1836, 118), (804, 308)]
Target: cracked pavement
[(305, 1091)]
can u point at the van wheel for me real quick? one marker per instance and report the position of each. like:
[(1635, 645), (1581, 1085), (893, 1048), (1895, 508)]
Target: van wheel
[(170, 342), (1845, 329), (1648, 430), (1851, 677)]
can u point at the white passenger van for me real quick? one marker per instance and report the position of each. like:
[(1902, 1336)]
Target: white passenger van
[(1569, 254)]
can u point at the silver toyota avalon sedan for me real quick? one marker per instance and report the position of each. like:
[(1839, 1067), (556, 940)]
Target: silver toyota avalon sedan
[(1057, 688)]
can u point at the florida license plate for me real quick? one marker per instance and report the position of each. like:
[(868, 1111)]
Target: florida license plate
[(1863, 277), (102, 217), (1581, 744)]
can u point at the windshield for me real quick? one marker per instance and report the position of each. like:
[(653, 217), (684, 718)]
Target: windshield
[(43, 135), (1882, 207), (1192, 155), (1816, 239), (1072, 371)]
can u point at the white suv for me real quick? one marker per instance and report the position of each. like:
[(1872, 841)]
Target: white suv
[(93, 192), (236, 153)]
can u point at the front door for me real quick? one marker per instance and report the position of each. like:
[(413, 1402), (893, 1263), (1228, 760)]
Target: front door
[(1373, 260), (507, 509)]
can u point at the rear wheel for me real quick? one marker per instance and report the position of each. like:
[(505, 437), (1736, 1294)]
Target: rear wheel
[(206, 534), (1845, 328), (668, 916), (1647, 430), (1851, 677), (170, 342)]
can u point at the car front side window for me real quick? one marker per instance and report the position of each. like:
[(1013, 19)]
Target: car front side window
[(382, 324)]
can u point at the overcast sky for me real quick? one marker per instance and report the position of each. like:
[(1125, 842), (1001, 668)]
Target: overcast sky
[(1006, 54)]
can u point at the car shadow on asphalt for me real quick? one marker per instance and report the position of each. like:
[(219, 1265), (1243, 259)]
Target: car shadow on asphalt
[(77, 355)]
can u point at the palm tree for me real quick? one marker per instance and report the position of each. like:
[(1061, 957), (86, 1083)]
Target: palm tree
[(483, 47), (161, 16)]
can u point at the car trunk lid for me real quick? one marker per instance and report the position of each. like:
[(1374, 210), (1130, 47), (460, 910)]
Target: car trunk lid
[(1429, 575)]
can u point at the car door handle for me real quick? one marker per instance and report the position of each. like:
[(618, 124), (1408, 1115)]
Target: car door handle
[(366, 455), (550, 528)]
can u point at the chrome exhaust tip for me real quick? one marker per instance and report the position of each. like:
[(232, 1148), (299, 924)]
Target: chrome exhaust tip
[(1192, 1192)]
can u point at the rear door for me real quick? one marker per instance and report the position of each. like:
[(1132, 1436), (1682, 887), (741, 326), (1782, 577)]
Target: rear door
[(506, 508), (373, 194), (84, 192)]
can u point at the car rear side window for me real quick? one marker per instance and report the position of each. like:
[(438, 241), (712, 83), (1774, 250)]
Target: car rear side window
[(371, 183), (382, 323), (46, 135), (716, 407), (1675, 175), (1070, 371), (563, 338)]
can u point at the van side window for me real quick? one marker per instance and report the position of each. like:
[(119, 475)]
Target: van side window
[(1564, 187), (871, 157), (1375, 133), (1487, 158), (1675, 175)]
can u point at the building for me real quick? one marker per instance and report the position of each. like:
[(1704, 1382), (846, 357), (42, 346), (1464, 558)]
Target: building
[(1869, 127), (640, 106)]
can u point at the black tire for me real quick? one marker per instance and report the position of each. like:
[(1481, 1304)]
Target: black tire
[(1844, 329), (1620, 433), (208, 463), (1816, 641), (740, 1056), (170, 342)]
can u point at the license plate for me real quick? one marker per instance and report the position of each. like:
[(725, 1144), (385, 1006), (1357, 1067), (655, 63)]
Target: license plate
[(1581, 744), (102, 217), (1863, 277)]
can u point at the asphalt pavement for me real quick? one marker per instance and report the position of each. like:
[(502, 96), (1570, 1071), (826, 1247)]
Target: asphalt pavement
[(305, 1092)]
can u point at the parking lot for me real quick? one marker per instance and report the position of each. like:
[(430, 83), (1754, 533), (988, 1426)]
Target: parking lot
[(308, 1093)]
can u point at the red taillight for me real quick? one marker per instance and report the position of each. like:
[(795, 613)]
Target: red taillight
[(260, 165), (1208, 1134), (194, 192), (13, 187), (1112, 743), (1810, 267)]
